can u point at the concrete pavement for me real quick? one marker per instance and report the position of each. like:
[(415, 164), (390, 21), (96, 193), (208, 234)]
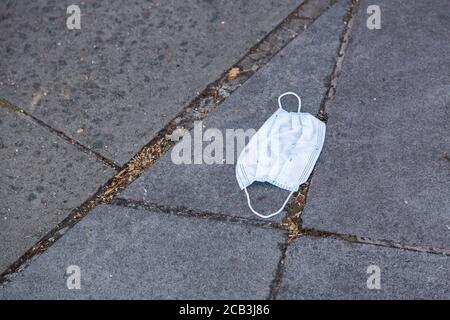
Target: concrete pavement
[(376, 220)]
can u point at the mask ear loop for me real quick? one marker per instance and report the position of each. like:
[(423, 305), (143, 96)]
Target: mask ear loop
[(292, 192), (290, 93), (271, 214)]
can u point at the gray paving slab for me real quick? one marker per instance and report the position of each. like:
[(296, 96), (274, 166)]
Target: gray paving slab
[(129, 69), (129, 253), (43, 178), (383, 172), (321, 268), (301, 67)]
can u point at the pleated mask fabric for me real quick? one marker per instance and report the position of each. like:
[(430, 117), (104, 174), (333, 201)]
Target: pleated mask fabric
[(282, 152)]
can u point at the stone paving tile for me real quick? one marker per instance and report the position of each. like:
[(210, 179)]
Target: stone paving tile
[(302, 67), (321, 268), (312, 9), (384, 170), (43, 178), (129, 69), (129, 253)]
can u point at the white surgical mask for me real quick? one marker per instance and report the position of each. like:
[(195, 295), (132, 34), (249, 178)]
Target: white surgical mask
[(282, 152)]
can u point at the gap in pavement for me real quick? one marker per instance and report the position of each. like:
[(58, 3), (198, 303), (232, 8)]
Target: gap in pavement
[(116, 82), (79, 145), (183, 211), (214, 94), (295, 211), (377, 242), (293, 221)]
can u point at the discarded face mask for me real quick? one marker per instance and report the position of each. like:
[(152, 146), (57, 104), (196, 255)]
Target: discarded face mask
[(282, 152)]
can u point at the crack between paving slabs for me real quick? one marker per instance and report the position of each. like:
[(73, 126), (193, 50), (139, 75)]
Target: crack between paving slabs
[(213, 95), (193, 213), (293, 220), (275, 285), (78, 144), (376, 242)]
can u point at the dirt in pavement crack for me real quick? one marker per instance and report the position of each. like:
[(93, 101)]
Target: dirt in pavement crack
[(256, 57), (293, 221)]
